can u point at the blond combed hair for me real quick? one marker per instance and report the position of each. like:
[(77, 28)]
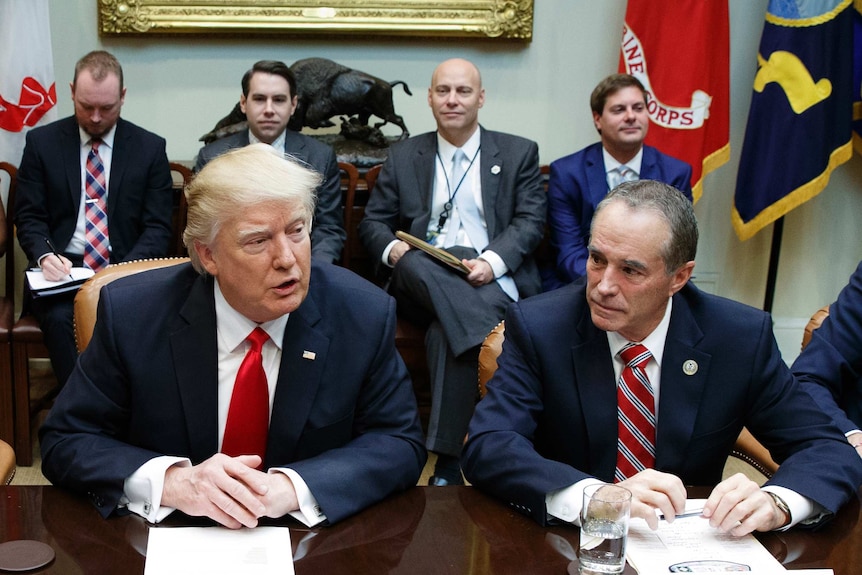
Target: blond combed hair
[(251, 175)]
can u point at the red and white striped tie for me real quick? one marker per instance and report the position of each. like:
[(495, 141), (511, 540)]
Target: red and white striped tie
[(96, 255), (636, 410)]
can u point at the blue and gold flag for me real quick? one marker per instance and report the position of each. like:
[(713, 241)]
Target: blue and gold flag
[(800, 121)]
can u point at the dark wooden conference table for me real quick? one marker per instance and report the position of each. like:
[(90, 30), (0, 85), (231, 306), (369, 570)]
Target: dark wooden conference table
[(434, 530)]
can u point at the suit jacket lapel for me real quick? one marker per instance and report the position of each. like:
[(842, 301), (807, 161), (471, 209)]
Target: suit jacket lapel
[(681, 390), (304, 354), (649, 171), (596, 388), (490, 181), (195, 356), (597, 177), (70, 148), (293, 145), (423, 169), (120, 158)]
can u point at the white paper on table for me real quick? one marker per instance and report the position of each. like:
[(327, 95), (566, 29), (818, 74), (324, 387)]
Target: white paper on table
[(689, 542), (217, 550)]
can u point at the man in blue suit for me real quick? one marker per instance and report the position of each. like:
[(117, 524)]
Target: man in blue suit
[(578, 182), (552, 422), (830, 367), (49, 207), (157, 414), (268, 100)]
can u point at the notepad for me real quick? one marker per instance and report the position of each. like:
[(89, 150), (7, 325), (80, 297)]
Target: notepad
[(433, 251), (41, 287)]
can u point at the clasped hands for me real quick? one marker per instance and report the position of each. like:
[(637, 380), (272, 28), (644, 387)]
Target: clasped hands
[(736, 505), (229, 490)]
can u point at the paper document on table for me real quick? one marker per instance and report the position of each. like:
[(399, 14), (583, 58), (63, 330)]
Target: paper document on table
[(217, 550), (690, 545)]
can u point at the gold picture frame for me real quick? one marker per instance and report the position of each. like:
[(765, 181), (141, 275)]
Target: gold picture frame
[(512, 19)]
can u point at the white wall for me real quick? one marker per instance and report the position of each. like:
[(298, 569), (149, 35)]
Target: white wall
[(180, 86)]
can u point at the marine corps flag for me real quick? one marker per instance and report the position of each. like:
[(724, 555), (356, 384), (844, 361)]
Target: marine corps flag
[(27, 92), (799, 124), (680, 51)]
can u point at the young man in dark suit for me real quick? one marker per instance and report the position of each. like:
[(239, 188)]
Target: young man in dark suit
[(268, 100), (54, 197)]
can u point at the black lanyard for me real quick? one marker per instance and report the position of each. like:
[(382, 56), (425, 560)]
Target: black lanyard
[(447, 207)]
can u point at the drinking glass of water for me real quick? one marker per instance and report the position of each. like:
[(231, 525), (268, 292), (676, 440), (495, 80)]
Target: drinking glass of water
[(604, 529)]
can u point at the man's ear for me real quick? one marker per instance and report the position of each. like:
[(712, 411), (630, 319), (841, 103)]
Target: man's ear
[(205, 255), (681, 277)]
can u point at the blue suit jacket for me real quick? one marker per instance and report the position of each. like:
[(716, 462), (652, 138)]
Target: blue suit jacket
[(513, 200), (140, 198), (830, 368), (549, 418), (146, 385), (578, 183), (327, 231)]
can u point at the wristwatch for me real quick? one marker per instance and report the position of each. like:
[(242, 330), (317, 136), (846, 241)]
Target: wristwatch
[(782, 506)]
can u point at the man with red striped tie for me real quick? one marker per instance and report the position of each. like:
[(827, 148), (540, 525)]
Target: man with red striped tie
[(93, 189), (637, 377)]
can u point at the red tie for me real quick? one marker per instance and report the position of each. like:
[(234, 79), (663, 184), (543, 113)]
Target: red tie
[(248, 415), (96, 255), (636, 410)]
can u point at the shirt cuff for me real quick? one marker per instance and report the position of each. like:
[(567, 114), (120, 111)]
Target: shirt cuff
[(498, 266), (385, 256), (309, 512), (565, 504), (143, 489), (802, 509)]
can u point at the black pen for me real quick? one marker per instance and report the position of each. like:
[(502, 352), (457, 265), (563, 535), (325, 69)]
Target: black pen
[(56, 253)]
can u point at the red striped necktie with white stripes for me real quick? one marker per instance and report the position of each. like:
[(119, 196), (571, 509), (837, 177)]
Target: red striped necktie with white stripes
[(636, 410)]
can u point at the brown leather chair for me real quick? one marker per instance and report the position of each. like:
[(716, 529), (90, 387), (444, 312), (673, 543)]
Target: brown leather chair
[(7, 316), (182, 177), (747, 448), (87, 298), (7, 463), (349, 182), (813, 323), (27, 343), (355, 257)]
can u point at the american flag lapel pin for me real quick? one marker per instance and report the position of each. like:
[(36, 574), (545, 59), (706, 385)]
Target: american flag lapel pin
[(309, 355)]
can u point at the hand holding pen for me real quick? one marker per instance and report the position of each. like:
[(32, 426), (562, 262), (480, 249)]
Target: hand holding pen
[(55, 271)]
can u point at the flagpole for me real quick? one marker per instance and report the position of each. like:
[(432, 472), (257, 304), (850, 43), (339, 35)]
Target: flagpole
[(772, 270)]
